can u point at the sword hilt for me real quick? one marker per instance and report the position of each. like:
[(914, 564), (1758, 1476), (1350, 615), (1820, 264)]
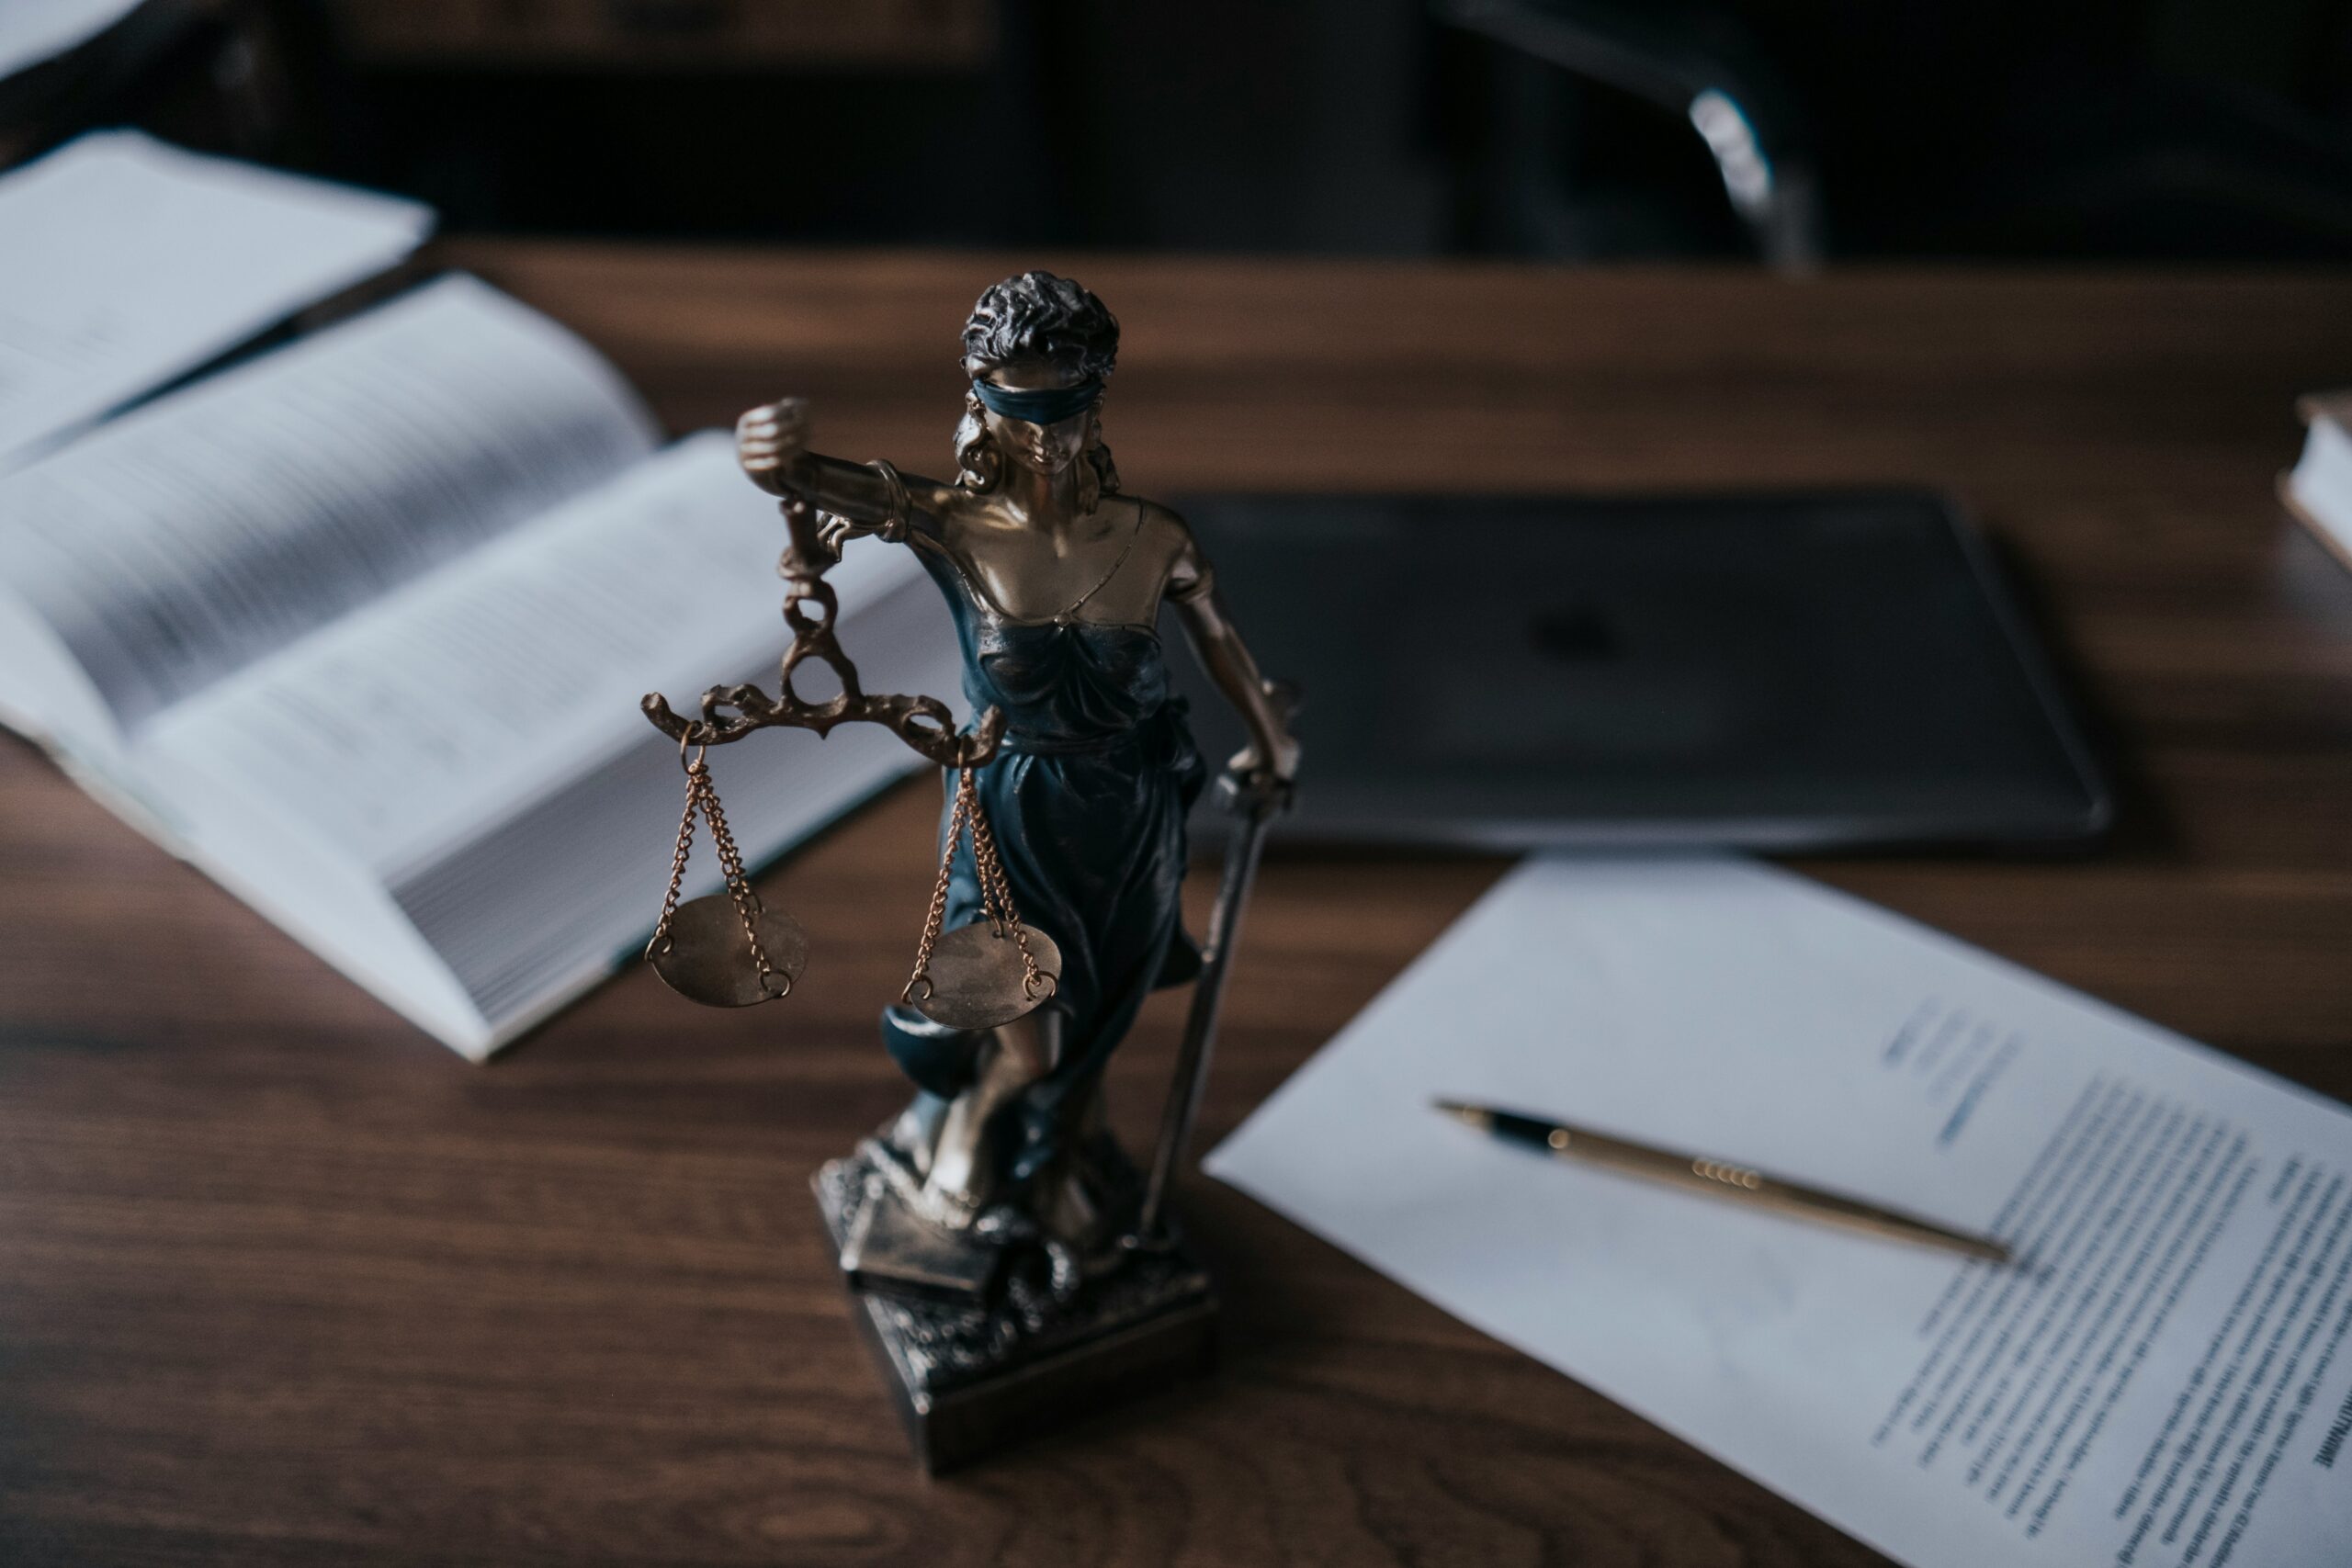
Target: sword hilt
[(1259, 793)]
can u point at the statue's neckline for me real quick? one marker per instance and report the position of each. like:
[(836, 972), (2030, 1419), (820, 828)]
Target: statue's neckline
[(1068, 616)]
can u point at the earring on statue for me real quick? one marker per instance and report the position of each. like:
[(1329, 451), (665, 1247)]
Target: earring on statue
[(724, 949)]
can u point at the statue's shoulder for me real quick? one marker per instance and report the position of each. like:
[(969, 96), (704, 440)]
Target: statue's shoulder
[(943, 499), (1164, 538), (960, 518), (1160, 529)]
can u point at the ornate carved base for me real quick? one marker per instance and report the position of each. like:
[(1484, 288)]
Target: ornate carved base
[(972, 1372)]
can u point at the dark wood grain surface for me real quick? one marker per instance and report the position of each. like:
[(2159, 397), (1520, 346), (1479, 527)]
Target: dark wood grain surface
[(283, 1281)]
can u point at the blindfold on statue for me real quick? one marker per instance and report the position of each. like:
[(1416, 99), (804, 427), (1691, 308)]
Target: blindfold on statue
[(1050, 405)]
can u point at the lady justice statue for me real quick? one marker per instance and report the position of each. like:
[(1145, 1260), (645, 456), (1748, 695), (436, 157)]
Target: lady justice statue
[(1007, 1256)]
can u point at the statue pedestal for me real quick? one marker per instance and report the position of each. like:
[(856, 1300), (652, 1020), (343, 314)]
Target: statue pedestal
[(979, 1352)]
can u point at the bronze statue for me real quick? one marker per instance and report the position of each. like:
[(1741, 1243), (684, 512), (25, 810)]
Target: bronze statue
[(994, 1226)]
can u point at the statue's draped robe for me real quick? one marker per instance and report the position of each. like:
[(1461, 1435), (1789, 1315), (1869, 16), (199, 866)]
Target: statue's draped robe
[(1088, 800)]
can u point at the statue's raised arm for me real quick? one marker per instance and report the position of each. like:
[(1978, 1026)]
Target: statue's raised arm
[(852, 499), (771, 443)]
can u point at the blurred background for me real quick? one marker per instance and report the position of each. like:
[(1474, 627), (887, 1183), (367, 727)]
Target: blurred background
[(1789, 132)]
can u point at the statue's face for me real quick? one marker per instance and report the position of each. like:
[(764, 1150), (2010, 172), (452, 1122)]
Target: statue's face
[(1045, 448)]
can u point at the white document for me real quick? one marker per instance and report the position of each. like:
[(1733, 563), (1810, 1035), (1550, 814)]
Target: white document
[(124, 262), (2163, 1379), (2319, 490), (35, 31)]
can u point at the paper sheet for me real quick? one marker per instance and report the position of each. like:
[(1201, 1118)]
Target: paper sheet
[(2164, 1378), (33, 32), (126, 262)]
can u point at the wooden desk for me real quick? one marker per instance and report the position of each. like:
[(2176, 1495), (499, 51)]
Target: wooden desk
[(282, 1281)]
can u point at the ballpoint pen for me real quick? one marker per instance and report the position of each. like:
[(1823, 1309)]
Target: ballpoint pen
[(1721, 1177)]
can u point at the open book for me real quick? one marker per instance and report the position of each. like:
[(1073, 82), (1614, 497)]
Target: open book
[(125, 262), (359, 627)]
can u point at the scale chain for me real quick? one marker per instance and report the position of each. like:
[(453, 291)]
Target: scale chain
[(701, 795), (995, 887), (937, 914), (677, 874), (996, 895), (730, 865)]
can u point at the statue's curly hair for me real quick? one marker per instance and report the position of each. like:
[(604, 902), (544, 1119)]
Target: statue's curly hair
[(1035, 315)]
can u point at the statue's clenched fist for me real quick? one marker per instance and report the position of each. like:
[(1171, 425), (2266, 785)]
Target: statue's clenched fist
[(768, 441)]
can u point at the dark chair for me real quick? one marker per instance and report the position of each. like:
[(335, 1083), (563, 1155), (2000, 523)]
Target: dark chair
[(1997, 127)]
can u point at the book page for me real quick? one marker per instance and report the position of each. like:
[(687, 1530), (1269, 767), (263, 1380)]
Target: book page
[(2161, 1378), (489, 683), (199, 532), (472, 740), (128, 262), (532, 911)]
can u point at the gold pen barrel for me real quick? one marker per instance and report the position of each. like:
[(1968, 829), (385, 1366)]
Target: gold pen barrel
[(1855, 1214), (1724, 1179)]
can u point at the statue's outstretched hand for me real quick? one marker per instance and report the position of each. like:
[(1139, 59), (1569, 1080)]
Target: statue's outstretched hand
[(769, 438)]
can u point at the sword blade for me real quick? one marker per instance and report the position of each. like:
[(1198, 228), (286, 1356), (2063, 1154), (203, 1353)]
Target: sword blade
[(1208, 996)]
